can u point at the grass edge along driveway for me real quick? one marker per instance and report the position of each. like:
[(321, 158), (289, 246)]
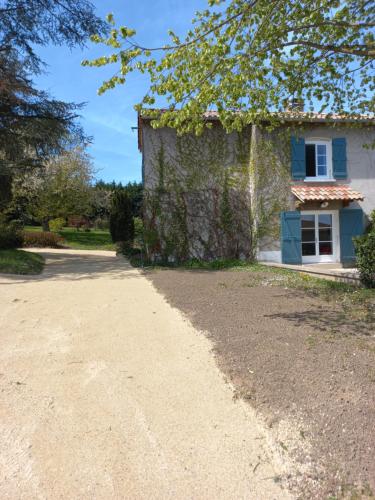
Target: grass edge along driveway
[(20, 262)]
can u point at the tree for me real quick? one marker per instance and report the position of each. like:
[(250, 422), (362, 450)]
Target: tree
[(25, 24), (34, 127), (121, 223), (134, 190), (60, 189), (100, 203), (248, 58)]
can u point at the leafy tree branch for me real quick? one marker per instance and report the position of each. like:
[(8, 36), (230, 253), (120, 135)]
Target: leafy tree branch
[(253, 57)]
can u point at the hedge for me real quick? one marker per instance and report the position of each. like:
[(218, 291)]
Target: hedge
[(42, 239)]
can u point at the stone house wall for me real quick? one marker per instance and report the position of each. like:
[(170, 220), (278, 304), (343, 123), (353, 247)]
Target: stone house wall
[(219, 195)]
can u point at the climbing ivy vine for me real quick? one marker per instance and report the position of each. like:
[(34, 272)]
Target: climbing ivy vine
[(210, 197)]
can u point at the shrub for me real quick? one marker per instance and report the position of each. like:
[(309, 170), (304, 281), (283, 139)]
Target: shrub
[(121, 223), (138, 230), (57, 224), (42, 239), (10, 236), (371, 225), (365, 253)]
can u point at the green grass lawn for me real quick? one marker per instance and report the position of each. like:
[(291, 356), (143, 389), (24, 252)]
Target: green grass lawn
[(95, 239), (20, 262), (33, 229)]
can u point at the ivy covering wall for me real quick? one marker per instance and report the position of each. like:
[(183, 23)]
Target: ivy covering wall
[(210, 197)]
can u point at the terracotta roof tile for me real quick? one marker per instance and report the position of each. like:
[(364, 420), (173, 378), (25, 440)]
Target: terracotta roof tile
[(322, 193), (290, 115), (285, 116), (307, 116)]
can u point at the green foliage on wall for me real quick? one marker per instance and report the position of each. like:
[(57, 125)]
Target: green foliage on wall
[(209, 197), (270, 174)]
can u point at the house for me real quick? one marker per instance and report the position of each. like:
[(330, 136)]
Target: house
[(297, 193)]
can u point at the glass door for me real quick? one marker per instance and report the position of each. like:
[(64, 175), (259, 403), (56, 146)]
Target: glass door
[(317, 237), (308, 236), (325, 235)]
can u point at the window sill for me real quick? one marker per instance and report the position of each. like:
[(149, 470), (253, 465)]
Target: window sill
[(319, 179)]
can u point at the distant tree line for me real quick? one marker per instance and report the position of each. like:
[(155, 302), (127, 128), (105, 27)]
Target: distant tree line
[(66, 188), (134, 191)]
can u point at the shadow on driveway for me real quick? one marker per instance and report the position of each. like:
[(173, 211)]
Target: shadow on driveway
[(76, 265)]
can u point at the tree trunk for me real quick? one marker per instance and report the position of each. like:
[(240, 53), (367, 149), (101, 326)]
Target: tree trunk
[(45, 225)]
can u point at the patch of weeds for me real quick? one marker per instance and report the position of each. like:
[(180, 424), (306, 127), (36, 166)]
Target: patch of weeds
[(223, 285), (371, 374), (218, 264), (244, 394), (354, 492), (311, 341), (255, 281), (332, 335), (365, 345), (356, 303), (302, 434)]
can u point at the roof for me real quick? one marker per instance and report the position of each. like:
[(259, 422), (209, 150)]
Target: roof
[(285, 116), (323, 193), (289, 115)]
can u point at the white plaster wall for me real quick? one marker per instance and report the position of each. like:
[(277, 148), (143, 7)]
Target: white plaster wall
[(360, 161), (269, 256)]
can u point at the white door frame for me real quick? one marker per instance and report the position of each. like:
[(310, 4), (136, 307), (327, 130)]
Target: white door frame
[(335, 257)]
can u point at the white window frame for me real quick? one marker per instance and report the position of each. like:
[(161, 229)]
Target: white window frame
[(336, 251), (322, 178)]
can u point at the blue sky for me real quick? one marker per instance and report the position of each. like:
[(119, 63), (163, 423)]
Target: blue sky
[(109, 118)]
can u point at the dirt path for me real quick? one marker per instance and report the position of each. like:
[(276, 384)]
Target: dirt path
[(303, 362), (107, 392)]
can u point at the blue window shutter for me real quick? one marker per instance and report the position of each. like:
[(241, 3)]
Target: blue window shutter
[(351, 224), (298, 157), (339, 158), (291, 250)]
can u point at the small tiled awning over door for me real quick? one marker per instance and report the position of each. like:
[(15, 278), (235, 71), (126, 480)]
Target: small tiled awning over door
[(323, 193)]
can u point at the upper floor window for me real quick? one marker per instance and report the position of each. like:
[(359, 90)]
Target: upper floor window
[(318, 156), (317, 159)]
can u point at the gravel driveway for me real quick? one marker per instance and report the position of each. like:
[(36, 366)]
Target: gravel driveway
[(108, 392)]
